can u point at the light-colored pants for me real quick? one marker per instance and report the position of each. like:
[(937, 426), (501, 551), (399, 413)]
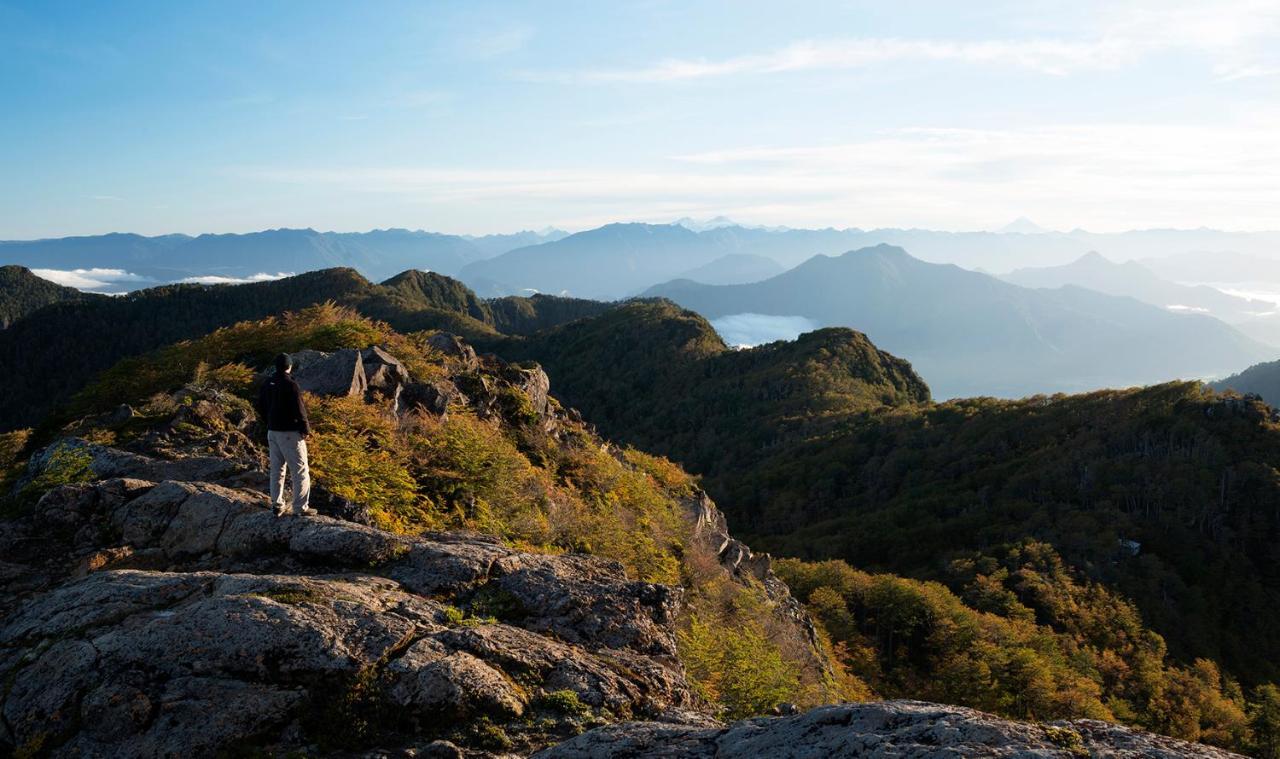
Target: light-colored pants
[(289, 449)]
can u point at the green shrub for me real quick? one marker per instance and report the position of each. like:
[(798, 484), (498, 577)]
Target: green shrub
[(567, 703), (12, 447), (355, 454), (735, 668), (66, 465)]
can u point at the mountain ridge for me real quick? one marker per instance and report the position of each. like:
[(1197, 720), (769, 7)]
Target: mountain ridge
[(378, 253), (970, 333)]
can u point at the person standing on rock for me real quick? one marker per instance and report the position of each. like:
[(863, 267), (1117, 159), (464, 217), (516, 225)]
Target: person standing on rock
[(281, 407)]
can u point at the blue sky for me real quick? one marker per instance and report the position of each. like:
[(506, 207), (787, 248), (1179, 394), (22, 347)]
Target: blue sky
[(483, 117)]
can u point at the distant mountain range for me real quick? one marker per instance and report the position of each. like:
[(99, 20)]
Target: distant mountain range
[(1095, 272), (171, 258), (619, 260), (972, 334)]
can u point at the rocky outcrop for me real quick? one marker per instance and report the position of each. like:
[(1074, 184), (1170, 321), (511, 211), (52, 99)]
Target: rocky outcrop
[(433, 397), (899, 729), (209, 623), (339, 373), (454, 348), (383, 371)]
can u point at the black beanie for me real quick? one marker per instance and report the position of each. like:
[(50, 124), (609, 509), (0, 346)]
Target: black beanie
[(283, 363)]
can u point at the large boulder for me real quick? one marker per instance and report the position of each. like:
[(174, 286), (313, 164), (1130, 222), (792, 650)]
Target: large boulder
[(433, 397), (340, 373), (899, 729), (384, 372), (453, 347), (534, 383)]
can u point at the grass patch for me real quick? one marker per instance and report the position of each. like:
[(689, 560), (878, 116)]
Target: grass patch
[(565, 703), (293, 596), (492, 602)]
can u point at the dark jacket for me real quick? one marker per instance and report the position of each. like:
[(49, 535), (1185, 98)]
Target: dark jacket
[(280, 405)]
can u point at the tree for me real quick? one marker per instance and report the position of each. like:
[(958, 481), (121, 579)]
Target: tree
[(1264, 720)]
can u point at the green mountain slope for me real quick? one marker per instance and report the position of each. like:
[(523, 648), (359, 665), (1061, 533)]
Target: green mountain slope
[(652, 371), (1259, 379), (22, 292), (828, 448)]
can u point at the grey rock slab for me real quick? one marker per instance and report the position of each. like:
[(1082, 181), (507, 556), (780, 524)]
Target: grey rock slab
[(434, 397), (433, 680), (104, 598), (266, 627), (588, 600), (900, 729), (446, 568), (593, 675), (191, 716)]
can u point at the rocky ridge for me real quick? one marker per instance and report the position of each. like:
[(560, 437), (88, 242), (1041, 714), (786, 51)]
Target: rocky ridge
[(159, 608)]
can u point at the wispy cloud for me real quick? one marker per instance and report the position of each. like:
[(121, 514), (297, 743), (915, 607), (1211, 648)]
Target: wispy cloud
[(93, 280), (1239, 36), (1117, 176), (494, 41), (1044, 55)]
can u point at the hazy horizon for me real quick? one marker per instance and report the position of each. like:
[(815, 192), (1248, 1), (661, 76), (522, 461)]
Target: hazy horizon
[(745, 223)]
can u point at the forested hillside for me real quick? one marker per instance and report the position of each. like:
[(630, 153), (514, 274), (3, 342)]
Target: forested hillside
[(50, 356), (22, 292), (652, 371), (1167, 495), (1259, 379)]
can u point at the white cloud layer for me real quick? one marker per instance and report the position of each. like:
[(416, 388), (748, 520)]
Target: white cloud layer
[(213, 279), (93, 280), (746, 330)]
